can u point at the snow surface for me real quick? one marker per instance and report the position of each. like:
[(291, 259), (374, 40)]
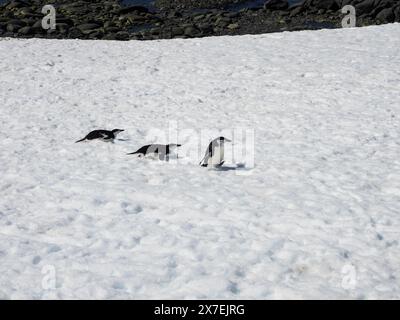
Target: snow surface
[(317, 217)]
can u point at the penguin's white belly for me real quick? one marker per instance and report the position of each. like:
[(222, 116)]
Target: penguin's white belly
[(152, 155), (216, 158)]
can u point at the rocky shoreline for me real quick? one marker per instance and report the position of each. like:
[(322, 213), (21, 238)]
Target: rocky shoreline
[(110, 20)]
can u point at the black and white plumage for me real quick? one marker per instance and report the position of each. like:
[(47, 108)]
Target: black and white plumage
[(214, 156), (160, 151), (103, 135)]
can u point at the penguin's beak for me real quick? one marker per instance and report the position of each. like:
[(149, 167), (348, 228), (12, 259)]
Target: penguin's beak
[(227, 140)]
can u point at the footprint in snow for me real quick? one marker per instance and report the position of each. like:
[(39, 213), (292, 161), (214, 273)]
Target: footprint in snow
[(129, 208), (36, 260)]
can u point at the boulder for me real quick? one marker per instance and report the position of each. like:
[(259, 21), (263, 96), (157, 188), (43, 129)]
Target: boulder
[(122, 35), (276, 5), (87, 27), (386, 15), (365, 7), (26, 31), (132, 9), (12, 27)]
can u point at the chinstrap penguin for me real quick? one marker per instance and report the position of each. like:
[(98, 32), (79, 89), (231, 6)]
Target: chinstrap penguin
[(160, 151), (103, 135), (214, 156)]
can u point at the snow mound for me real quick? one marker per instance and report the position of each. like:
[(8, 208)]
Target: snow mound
[(316, 216)]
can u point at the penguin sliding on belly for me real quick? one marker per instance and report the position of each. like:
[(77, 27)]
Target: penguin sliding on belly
[(103, 135), (214, 156), (160, 151)]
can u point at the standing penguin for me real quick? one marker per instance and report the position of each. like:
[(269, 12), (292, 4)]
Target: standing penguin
[(103, 135), (160, 151), (214, 156)]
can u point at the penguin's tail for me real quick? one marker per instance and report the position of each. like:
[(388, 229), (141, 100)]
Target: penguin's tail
[(133, 153), (80, 140)]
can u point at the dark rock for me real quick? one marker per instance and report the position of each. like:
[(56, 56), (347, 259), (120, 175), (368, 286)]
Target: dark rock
[(97, 34), (325, 4), (133, 8), (17, 22), (62, 27), (37, 25), (177, 31), (205, 27), (15, 4), (85, 27), (223, 21), (276, 5), (110, 36), (122, 35), (397, 13), (386, 15), (155, 31), (195, 4), (296, 10), (75, 33), (25, 11), (67, 21), (364, 7), (112, 29), (132, 18), (28, 21)]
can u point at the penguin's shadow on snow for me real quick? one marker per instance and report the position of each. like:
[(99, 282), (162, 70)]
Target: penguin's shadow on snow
[(238, 167), (225, 169)]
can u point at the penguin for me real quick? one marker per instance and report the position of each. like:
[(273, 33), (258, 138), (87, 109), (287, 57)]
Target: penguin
[(214, 156), (103, 135), (159, 151)]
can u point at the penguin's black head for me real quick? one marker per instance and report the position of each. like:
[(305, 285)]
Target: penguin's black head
[(223, 139), (116, 131)]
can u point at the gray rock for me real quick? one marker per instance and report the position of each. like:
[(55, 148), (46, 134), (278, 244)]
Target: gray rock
[(26, 30), (12, 27), (233, 26), (190, 31)]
